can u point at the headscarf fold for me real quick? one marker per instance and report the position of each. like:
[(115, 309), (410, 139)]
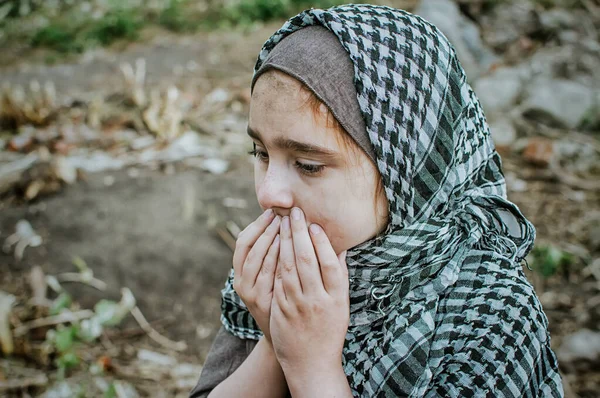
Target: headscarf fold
[(446, 195)]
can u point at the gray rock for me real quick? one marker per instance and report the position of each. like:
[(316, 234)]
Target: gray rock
[(515, 184), (557, 101), (462, 33), (576, 156), (577, 59), (499, 91), (503, 133), (568, 36), (505, 24), (581, 345), (590, 45), (557, 19)]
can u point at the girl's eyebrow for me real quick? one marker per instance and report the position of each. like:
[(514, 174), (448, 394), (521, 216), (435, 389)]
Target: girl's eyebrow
[(297, 146)]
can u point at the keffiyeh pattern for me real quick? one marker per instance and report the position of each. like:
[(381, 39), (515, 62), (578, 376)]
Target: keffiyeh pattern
[(439, 304)]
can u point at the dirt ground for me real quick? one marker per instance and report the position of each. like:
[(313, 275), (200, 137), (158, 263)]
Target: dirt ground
[(133, 232), (131, 229)]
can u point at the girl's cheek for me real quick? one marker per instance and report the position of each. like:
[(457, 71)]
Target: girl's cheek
[(336, 235), (320, 217)]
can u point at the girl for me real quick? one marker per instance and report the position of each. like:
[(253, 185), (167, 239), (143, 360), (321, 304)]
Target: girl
[(387, 261)]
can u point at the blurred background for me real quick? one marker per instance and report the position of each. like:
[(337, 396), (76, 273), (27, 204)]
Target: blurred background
[(124, 176)]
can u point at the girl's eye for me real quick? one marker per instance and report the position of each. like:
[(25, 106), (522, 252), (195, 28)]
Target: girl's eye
[(260, 155), (306, 169), (309, 169)]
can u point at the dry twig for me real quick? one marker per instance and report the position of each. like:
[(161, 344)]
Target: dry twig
[(136, 331), (81, 278), (154, 335), (63, 317), (39, 380), (226, 237), (574, 181)]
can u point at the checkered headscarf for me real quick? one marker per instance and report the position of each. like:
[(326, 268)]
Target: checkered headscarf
[(428, 291)]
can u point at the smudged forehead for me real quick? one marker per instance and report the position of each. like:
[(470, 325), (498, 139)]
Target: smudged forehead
[(279, 106), (274, 90)]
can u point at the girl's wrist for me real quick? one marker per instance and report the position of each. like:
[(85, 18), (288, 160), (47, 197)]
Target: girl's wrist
[(268, 355), (312, 363), (267, 348), (318, 380)]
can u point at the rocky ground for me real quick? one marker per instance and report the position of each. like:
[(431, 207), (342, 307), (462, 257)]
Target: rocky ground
[(124, 177)]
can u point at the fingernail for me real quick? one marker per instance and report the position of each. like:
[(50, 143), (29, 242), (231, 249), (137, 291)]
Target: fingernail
[(267, 213), (285, 223), (315, 229), (296, 213)]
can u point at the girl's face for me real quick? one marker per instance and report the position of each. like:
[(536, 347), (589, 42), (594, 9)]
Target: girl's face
[(301, 162)]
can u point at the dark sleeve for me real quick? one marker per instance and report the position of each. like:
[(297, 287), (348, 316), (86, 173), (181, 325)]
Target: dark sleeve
[(226, 354)]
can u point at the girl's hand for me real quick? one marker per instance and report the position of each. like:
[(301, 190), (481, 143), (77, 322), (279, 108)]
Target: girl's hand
[(310, 309), (254, 264)]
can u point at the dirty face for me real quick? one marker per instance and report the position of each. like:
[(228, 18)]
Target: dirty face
[(301, 162)]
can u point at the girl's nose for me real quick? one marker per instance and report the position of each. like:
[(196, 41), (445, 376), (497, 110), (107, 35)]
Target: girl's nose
[(275, 191)]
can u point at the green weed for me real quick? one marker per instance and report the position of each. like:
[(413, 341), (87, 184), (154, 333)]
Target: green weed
[(75, 37), (68, 30), (66, 341), (251, 11), (58, 37), (176, 18), (548, 260), (122, 24)]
